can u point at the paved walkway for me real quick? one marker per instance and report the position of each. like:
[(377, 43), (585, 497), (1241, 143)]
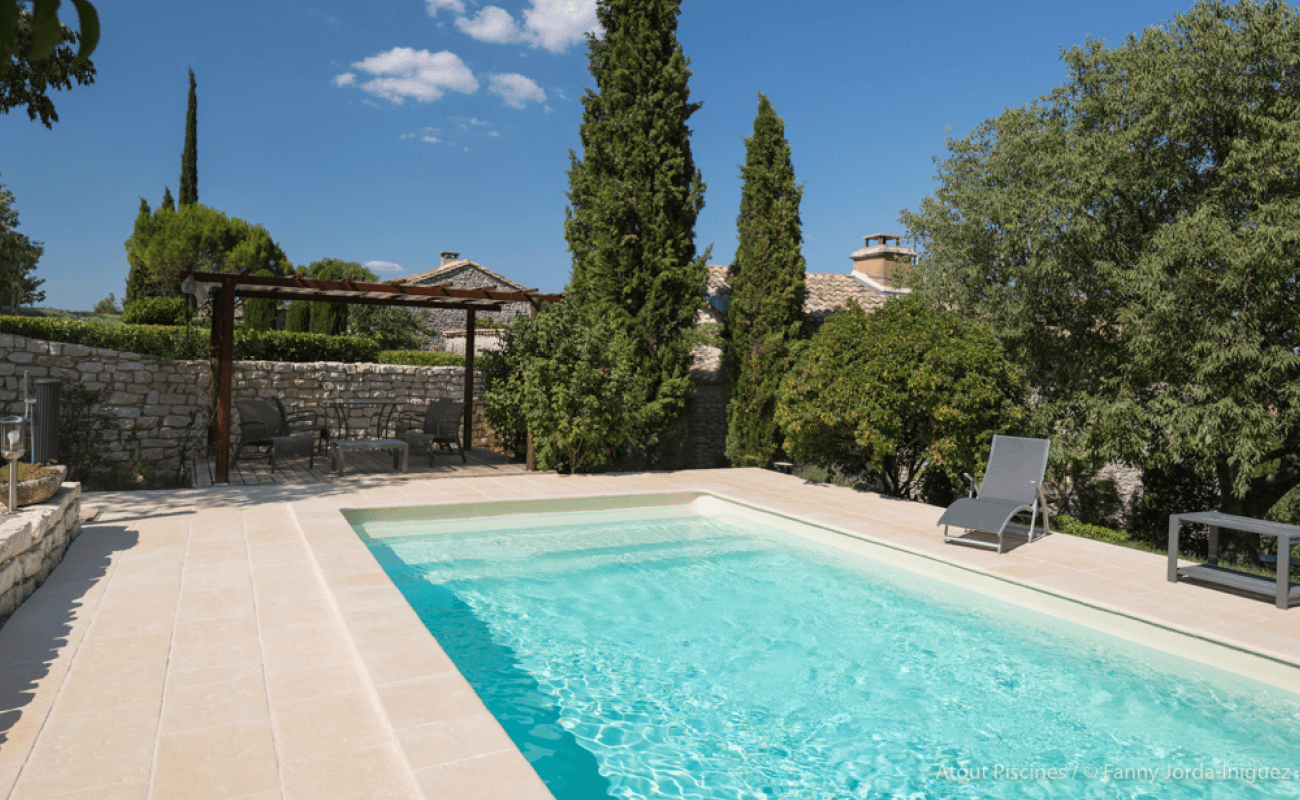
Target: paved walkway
[(240, 642)]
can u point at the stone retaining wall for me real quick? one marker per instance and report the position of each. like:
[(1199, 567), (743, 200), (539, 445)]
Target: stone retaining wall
[(32, 544)]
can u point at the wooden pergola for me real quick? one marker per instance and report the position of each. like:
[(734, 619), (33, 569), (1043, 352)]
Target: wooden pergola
[(297, 287)]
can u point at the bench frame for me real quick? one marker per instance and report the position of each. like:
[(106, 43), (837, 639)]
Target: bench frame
[(1282, 591)]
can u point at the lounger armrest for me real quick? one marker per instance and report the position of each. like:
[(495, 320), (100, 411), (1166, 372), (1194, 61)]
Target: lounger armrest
[(1042, 503), (410, 421), (973, 487)]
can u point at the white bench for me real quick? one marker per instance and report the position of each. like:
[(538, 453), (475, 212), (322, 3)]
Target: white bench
[(399, 448)]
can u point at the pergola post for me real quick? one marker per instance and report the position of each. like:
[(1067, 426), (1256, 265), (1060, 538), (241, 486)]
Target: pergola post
[(530, 456), (468, 441), (224, 323)]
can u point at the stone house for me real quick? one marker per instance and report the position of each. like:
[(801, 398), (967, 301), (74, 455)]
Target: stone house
[(879, 271), (447, 326)]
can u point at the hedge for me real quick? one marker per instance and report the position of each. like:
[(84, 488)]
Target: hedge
[(165, 341), (421, 358), (1064, 523)]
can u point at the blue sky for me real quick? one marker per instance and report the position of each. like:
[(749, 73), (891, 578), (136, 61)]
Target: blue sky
[(385, 131)]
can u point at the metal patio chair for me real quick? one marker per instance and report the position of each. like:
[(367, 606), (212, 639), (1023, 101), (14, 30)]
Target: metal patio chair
[(1013, 484), (439, 424), (262, 422)]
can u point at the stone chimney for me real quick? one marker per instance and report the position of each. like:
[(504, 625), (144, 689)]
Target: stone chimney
[(884, 263), (449, 258)]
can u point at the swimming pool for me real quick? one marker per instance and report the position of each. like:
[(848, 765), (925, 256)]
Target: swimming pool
[(691, 650)]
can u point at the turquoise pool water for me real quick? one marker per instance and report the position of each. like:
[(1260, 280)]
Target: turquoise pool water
[(662, 653)]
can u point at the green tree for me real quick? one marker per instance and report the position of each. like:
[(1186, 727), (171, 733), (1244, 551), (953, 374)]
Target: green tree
[(571, 380), (910, 395), (190, 156), (259, 314), (196, 237), (634, 197), (167, 201), (108, 305), (767, 291), (35, 56), (393, 327), (139, 284), (297, 318), (1134, 235), (332, 318), (18, 257)]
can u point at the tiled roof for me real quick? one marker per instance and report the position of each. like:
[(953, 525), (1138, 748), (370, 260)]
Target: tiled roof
[(441, 274), (823, 293)]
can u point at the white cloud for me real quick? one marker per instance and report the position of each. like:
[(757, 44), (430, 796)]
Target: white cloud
[(493, 133), (430, 139), (556, 24), (492, 24), (456, 6), (383, 266), (346, 79), (515, 89), (404, 72), (550, 24)]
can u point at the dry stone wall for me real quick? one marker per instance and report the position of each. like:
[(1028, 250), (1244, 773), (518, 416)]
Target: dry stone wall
[(32, 543), (151, 400)]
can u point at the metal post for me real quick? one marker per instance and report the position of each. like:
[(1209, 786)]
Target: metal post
[(468, 442)]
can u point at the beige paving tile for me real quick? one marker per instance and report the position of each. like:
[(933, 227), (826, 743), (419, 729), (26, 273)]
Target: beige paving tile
[(105, 686), (310, 682), (8, 776), (131, 790), (308, 610), (83, 751), (404, 659), (216, 696), (288, 649), (332, 726), (372, 627), (376, 773), (429, 699), (214, 604), (504, 775), (222, 762), (207, 642), (452, 739), (105, 645)]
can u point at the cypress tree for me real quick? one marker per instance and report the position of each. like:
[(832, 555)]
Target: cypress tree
[(259, 314), (634, 197), (767, 291), (298, 317), (167, 201), (190, 158), (138, 283)]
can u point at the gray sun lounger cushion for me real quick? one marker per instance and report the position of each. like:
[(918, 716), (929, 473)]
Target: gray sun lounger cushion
[(1013, 484)]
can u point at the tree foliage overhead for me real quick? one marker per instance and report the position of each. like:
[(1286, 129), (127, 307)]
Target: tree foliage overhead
[(1135, 238), (36, 55), (767, 291), (18, 257), (190, 155), (169, 241), (907, 394), (634, 197), (568, 378)]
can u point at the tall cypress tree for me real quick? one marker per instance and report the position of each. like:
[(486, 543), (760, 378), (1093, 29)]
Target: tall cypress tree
[(190, 158), (767, 291), (167, 201), (634, 197)]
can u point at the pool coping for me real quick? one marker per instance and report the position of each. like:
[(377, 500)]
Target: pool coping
[(424, 733)]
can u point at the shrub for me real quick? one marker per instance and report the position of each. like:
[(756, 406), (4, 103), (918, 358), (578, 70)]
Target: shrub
[(158, 311), (255, 345), (422, 358), (1064, 523), (904, 392), (569, 380)]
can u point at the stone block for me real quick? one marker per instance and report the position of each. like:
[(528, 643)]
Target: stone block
[(121, 398), (30, 562), (11, 572), (9, 601), (76, 350), (20, 357), (130, 366), (90, 367), (8, 369)]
